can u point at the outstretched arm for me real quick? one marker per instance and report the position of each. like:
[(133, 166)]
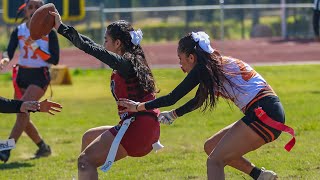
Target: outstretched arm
[(190, 82), (191, 105), (167, 117), (10, 106), (84, 43), (17, 106)]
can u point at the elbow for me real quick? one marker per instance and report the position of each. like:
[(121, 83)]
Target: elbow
[(57, 59), (53, 60)]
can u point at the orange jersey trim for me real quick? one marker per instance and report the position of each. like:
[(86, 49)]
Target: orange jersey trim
[(269, 132), (42, 54), (266, 137)]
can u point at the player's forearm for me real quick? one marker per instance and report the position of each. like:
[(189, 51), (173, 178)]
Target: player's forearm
[(54, 49), (10, 106)]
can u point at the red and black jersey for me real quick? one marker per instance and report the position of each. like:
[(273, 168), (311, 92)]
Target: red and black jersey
[(129, 88)]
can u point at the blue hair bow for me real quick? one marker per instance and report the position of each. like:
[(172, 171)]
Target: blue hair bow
[(136, 36)]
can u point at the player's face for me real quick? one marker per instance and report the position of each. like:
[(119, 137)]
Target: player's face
[(31, 7), (187, 62), (109, 43)]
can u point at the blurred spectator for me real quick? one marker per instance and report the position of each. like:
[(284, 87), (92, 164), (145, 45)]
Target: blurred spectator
[(316, 14)]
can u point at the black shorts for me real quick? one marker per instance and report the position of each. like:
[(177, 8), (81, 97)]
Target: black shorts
[(33, 76), (273, 108)]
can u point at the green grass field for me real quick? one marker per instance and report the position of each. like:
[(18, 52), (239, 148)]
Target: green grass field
[(88, 103)]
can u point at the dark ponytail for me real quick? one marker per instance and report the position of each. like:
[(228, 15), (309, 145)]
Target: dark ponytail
[(134, 53), (21, 10)]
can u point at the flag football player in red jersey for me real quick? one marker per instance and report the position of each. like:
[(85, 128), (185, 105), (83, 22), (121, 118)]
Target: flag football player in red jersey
[(31, 75), (131, 78)]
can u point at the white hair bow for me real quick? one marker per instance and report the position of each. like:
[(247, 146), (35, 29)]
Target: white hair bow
[(203, 39), (136, 36)]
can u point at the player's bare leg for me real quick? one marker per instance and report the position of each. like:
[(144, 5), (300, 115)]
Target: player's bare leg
[(92, 134), (32, 93), (239, 140), (23, 122), (241, 164), (95, 154)]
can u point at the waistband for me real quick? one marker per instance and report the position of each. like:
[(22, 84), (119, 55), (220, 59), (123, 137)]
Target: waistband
[(29, 67), (142, 113), (267, 91)]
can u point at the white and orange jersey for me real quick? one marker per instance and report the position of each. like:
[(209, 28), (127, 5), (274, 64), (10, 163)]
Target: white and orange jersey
[(28, 56), (245, 83)]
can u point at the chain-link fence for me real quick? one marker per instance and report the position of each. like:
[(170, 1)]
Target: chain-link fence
[(221, 21), (228, 21)]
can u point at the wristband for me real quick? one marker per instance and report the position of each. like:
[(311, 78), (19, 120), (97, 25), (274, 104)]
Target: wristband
[(174, 114), (38, 110)]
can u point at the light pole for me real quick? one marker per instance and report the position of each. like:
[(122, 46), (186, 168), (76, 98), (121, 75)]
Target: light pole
[(222, 19), (102, 21), (283, 20)]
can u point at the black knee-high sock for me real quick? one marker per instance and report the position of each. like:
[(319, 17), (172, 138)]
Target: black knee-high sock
[(255, 173)]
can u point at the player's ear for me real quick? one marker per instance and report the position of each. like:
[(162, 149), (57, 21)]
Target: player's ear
[(117, 43), (192, 58)]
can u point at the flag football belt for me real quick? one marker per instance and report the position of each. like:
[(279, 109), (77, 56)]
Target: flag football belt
[(115, 144), (17, 89), (262, 115), (7, 144)]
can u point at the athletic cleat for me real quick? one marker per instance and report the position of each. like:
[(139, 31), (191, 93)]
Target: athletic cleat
[(4, 155), (43, 151), (267, 175)]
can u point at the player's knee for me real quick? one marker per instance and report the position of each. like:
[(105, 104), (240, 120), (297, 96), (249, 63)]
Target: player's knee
[(214, 161), (219, 159), (210, 144), (207, 147), (85, 136), (83, 162), (88, 137)]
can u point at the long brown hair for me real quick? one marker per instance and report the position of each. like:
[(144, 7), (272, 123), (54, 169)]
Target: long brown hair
[(212, 79), (134, 53)]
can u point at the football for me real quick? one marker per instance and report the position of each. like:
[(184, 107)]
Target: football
[(42, 22)]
